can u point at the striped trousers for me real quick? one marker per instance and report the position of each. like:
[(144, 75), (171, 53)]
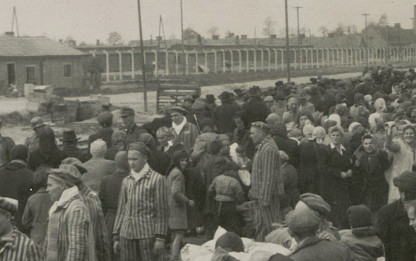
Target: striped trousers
[(137, 249), (263, 217)]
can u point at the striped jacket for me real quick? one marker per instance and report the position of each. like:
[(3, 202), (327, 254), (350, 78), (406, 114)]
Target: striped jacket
[(187, 136), (18, 247), (75, 239), (266, 177), (143, 210)]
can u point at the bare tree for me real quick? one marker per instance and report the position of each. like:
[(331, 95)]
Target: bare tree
[(323, 30), (114, 38), (268, 28), (213, 31)]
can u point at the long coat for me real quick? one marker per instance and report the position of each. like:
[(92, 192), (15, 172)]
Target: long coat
[(398, 237), (177, 200), (51, 160), (97, 169), (223, 117)]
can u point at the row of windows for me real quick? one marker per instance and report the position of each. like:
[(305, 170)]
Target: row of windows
[(31, 77)]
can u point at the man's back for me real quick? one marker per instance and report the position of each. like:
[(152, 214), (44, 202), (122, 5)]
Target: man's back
[(316, 249), (97, 168)]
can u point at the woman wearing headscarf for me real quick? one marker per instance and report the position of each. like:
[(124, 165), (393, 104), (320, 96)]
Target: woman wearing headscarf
[(337, 177), (290, 114), (403, 150), (48, 154), (311, 162), (381, 109)]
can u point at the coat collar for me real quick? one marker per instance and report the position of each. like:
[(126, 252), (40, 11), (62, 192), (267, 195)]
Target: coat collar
[(67, 196), (307, 243)]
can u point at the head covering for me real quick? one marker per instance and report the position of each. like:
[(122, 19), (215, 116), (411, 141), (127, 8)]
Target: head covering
[(336, 129), (406, 181), (215, 146), (105, 118), (9, 205), (316, 203), (318, 132), (225, 97), (199, 105), (308, 129), (358, 97), (76, 163), (261, 125), (19, 152), (336, 118), (66, 174), (359, 216), (254, 91), (178, 109), (302, 220), (140, 147), (231, 242), (210, 98), (368, 98), (148, 139), (98, 147), (121, 160), (283, 156), (37, 122), (69, 135), (126, 111), (353, 125), (380, 105)]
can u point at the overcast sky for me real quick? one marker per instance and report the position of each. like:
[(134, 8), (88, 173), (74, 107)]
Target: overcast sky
[(87, 20)]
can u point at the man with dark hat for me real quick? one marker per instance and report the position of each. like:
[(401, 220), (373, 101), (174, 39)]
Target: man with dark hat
[(32, 142), (182, 130), (223, 114), (69, 140), (14, 245), (130, 127), (141, 223), (70, 231), (392, 222), (266, 180), (254, 109)]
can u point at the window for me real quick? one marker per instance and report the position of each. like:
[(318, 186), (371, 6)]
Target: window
[(30, 74), (67, 70)]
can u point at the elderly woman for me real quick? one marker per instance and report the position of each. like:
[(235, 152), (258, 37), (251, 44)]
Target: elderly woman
[(337, 177), (403, 150), (290, 115), (304, 117)]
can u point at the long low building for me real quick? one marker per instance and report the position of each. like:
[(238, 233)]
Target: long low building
[(40, 61)]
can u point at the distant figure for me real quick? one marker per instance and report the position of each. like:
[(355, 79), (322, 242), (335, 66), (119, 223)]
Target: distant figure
[(70, 149), (105, 119), (37, 126), (118, 143), (182, 130), (130, 127)]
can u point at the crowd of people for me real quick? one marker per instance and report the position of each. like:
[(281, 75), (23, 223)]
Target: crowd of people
[(325, 169)]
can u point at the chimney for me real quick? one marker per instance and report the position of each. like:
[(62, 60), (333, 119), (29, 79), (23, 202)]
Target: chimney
[(243, 37), (9, 34), (97, 42), (272, 36), (237, 40), (159, 38), (215, 37)]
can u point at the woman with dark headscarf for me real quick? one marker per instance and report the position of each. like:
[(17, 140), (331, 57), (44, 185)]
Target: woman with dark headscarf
[(48, 154), (178, 202)]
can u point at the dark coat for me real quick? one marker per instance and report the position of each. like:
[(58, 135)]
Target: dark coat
[(16, 181), (159, 161), (223, 117), (75, 152), (290, 180), (337, 189), (317, 249), (398, 237), (290, 147), (212, 168), (312, 158), (254, 110), (133, 133), (51, 160), (104, 133), (195, 190)]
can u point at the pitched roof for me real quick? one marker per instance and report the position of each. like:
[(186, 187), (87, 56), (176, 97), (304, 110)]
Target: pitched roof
[(34, 46)]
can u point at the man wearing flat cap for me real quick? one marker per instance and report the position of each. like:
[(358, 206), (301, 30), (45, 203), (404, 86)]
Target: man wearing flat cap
[(132, 130), (14, 245), (182, 130), (37, 125), (266, 180), (70, 231), (392, 222), (141, 223)]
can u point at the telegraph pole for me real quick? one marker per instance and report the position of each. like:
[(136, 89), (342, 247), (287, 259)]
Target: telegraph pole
[(183, 44), (297, 13), (366, 35), (142, 57), (287, 43)]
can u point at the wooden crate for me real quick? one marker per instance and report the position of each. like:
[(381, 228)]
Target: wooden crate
[(172, 94)]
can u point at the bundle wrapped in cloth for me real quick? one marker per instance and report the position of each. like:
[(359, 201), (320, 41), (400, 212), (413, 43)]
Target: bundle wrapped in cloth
[(226, 241)]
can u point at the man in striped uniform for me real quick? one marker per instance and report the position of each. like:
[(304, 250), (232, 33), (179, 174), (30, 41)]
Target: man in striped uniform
[(14, 245), (266, 180), (141, 223)]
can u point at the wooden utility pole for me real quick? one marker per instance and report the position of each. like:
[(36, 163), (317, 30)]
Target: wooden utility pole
[(183, 44), (287, 43), (299, 50), (142, 57), (366, 36)]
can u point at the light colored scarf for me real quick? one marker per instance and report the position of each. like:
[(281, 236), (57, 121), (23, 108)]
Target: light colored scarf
[(178, 127)]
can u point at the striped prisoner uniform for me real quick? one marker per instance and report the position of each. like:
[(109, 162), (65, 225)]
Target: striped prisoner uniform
[(18, 247), (266, 186), (187, 136), (142, 215)]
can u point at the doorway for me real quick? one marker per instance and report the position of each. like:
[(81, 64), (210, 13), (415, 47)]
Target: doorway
[(11, 74)]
